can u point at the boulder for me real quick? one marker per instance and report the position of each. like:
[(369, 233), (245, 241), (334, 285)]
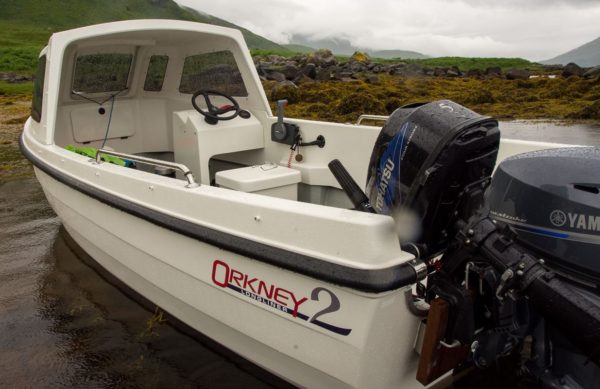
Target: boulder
[(493, 71), (518, 74), (440, 72), (323, 74), (361, 57), (285, 90), (590, 112), (475, 73), (595, 71), (310, 70), (572, 69), (290, 71), (302, 79), (276, 76), (371, 78), (322, 58), (453, 72), (410, 70), (552, 68)]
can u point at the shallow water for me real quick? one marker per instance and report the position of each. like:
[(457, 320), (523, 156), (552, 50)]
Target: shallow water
[(553, 131), (63, 325)]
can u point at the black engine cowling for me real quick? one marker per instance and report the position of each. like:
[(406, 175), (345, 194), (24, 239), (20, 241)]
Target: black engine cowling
[(433, 160)]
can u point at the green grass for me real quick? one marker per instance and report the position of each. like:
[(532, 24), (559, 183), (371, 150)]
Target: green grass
[(26, 25), (466, 63), (9, 89)]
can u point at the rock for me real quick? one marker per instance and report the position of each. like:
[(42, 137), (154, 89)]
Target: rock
[(302, 79), (361, 57), (356, 67), (343, 74), (410, 70), (322, 58), (371, 78), (440, 72), (380, 68), (323, 74), (310, 70), (285, 90), (595, 71), (276, 76), (290, 71), (552, 68), (453, 72), (475, 73), (14, 78), (518, 74), (572, 69), (589, 112), (493, 71)]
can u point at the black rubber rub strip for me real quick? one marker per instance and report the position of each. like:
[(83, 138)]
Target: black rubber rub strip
[(373, 281)]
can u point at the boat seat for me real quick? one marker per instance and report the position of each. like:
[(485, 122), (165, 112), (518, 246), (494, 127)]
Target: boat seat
[(268, 179), (195, 142)]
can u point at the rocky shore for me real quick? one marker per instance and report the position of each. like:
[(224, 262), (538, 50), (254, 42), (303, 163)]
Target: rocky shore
[(322, 65)]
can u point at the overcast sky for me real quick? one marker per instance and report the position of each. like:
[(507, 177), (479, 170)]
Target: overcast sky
[(532, 29)]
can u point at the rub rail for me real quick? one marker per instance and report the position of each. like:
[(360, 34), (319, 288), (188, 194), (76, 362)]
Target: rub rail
[(371, 117), (151, 161)]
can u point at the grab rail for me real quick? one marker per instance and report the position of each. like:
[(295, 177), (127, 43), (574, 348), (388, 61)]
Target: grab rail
[(151, 161), (371, 117)]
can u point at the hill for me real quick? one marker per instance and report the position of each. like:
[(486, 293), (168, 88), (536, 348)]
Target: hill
[(342, 46), (297, 48), (25, 25), (586, 55), (404, 54)]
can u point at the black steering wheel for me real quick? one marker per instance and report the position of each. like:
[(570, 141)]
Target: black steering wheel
[(213, 114)]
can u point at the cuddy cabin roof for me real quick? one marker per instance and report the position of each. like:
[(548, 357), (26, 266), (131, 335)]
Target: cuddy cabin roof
[(143, 33)]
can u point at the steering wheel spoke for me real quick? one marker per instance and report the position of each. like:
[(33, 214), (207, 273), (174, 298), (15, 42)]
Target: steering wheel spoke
[(213, 114)]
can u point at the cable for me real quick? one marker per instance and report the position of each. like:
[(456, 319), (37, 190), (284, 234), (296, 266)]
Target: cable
[(112, 105)]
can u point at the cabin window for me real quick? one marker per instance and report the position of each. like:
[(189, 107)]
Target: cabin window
[(212, 71), (155, 76), (38, 90), (102, 73)]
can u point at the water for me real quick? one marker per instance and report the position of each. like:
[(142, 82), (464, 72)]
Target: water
[(63, 325), (554, 132)]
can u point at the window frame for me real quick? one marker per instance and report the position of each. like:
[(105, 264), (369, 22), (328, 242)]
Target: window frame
[(104, 50), (162, 84), (185, 58), (35, 113)]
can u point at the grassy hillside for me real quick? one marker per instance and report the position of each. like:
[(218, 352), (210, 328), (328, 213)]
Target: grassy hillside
[(405, 54), (25, 25), (297, 48), (468, 63)]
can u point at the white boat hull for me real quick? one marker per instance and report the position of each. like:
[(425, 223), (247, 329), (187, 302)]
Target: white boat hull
[(176, 273)]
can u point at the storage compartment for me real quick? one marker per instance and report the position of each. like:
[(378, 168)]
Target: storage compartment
[(268, 179)]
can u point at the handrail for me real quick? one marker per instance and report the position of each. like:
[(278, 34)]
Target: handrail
[(371, 117), (151, 161)]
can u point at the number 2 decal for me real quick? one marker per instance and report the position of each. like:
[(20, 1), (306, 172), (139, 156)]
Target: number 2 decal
[(333, 307)]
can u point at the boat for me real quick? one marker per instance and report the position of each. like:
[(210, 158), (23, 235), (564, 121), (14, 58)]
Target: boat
[(156, 146)]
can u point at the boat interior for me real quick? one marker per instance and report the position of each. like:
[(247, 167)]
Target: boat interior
[(131, 92)]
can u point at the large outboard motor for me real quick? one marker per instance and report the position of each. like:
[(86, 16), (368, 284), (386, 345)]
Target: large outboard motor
[(434, 161), (552, 199)]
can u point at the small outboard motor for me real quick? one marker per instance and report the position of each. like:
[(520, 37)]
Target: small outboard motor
[(433, 160)]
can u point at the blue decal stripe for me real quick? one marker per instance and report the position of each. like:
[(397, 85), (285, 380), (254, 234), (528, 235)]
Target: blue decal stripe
[(539, 231)]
